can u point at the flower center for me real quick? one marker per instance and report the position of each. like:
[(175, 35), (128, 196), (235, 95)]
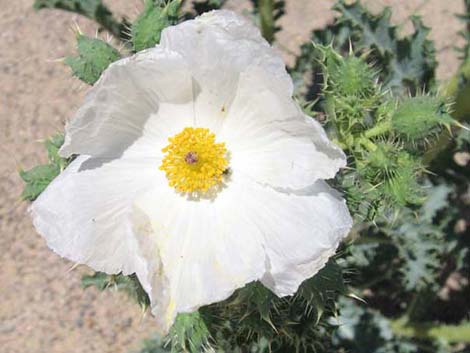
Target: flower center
[(194, 162)]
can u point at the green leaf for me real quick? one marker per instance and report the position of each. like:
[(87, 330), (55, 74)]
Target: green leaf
[(409, 61), (407, 64), (147, 28), (52, 146), (39, 177), (320, 291), (189, 334), (363, 330), (154, 345), (128, 284), (420, 242), (94, 56), (269, 11)]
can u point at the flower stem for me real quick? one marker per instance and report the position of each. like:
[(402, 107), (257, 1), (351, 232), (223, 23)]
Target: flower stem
[(378, 129), (368, 144), (266, 13), (450, 333)]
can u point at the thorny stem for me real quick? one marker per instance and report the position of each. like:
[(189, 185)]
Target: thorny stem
[(378, 129), (112, 26), (368, 144)]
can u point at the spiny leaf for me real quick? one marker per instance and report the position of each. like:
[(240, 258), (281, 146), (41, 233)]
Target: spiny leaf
[(39, 177), (419, 241), (189, 334), (436, 200), (94, 56), (253, 315), (409, 61), (157, 15), (321, 290), (364, 330), (406, 64), (128, 284)]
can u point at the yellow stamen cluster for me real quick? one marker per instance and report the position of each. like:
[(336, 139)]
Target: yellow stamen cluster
[(194, 162)]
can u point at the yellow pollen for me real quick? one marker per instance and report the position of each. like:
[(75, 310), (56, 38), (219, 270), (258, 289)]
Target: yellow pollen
[(194, 162)]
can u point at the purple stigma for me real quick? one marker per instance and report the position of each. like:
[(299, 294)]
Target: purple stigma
[(191, 158)]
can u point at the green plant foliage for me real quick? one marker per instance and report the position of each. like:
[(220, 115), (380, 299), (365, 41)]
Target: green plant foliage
[(419, 241), (128, 284), (252, 318), (92, 9), (351, 77), (189, 333), (201, 6), (39, 177), (157, 15), (408, 256), (153, 345), (269, 12), (255, 317), (419, 117), (94, 56), (368, 123), (458, 89), (363, 330), (406, 64), (465, 33)]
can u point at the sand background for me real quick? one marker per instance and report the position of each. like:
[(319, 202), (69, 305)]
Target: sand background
[(42, 307)]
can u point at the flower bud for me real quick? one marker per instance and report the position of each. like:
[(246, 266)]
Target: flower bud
[(419, 117), (351, 76)]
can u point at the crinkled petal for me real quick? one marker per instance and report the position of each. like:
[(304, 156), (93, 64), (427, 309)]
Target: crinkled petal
[(218, 46), (302, 231), (206, 248), (272, 220), (120, 104), (84, 212), (272, 140)]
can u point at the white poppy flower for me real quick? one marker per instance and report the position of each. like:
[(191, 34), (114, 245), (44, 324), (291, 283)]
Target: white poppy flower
[(197, 171)]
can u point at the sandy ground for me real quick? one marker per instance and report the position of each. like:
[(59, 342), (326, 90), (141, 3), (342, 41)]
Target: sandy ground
[(42, 307)]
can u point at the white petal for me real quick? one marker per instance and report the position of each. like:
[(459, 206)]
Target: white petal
[(84, 214), (302, 230), (272, 141), (210, 247), (207, 249), (115, 211), (122, 101), (218, 46)]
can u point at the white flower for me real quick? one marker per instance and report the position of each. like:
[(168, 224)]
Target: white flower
[(236, 194)]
